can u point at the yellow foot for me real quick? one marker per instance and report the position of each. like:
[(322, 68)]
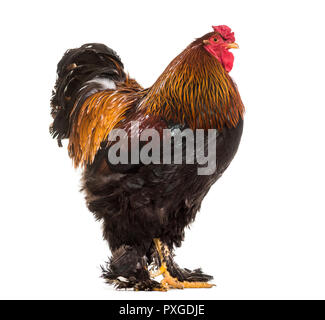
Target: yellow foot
[(158, 273), (169, 282), (174, 283), (206, 285)]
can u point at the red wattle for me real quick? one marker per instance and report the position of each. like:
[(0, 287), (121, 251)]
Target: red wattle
[(227, 60), (225, 57)]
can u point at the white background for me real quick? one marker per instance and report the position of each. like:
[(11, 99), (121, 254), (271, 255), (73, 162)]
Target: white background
[(261, 228)]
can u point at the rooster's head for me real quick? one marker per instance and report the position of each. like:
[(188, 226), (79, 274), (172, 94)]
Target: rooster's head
[(218, 44)]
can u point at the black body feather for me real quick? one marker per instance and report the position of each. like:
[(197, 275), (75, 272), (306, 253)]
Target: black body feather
[(151, 201)]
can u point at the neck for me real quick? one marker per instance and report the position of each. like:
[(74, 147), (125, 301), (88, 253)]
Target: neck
[(195, 90)]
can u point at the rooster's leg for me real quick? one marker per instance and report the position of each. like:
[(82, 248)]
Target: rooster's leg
[(127, 269), (170, 281)]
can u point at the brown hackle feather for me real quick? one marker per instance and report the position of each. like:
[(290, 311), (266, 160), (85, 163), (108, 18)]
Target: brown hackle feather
[(197, 90)]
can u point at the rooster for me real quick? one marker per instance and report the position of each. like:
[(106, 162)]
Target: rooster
[(145, 207)]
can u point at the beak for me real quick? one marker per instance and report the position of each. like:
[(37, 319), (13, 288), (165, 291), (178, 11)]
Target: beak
[(233, 45), (206, 41)]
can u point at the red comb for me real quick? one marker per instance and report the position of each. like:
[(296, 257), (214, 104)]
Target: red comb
[(225, 32)]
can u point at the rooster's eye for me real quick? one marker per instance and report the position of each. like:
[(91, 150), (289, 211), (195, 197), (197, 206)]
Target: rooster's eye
[(215, 40)]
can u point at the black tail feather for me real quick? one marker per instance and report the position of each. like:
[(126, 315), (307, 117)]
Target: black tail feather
[(77, 72)]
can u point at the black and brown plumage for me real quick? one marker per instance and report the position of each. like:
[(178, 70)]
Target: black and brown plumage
[(146, 207)]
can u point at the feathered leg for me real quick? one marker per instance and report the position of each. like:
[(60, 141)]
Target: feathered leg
[(128, 269), (174, 276)]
